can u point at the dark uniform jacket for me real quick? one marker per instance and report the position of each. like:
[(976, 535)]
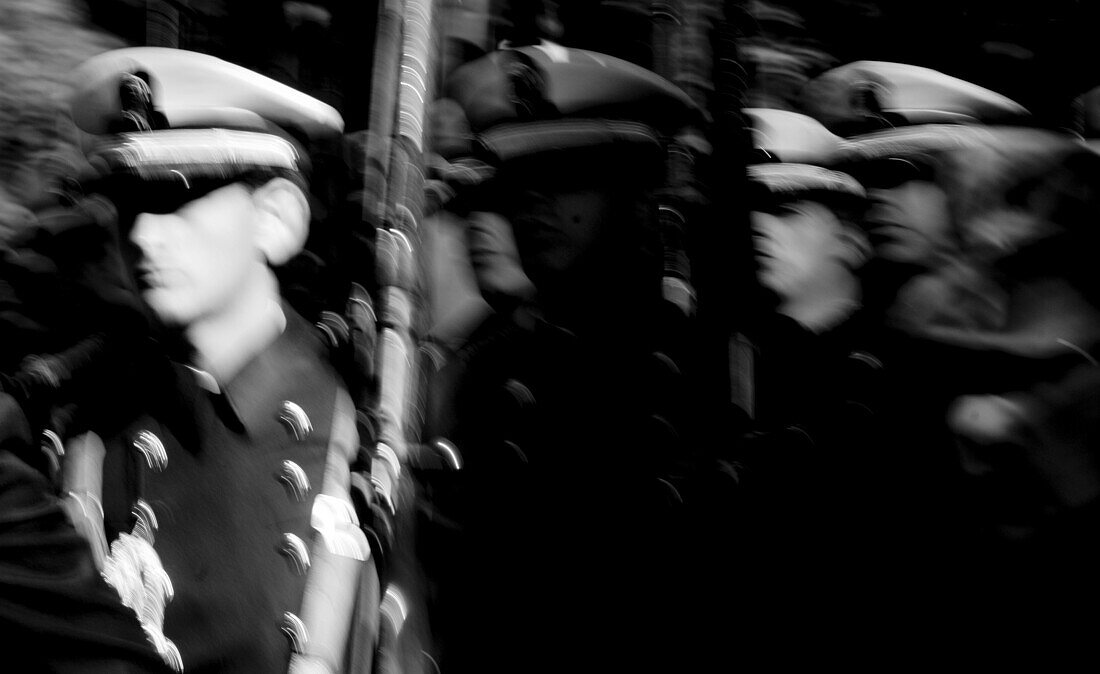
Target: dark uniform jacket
[(226, 494), (564, 552)]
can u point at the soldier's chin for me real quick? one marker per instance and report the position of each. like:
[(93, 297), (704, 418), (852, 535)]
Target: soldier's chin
[(168, 309), (771, 280), (549, 265)]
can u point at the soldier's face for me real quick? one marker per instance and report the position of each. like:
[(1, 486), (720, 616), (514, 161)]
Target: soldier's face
[(557, 231), (802, 246), (195, 262), (909, 222)]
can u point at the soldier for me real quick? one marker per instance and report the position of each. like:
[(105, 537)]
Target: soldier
[(956, 316), (900, 122), (549, 387), (1006, 340), (826, 468), (809, 251), (801, 466), (225, 506), (1028, 241)]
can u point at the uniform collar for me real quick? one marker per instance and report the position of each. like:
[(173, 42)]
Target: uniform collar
[(252, 396)]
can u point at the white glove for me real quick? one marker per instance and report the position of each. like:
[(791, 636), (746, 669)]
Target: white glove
[(134, 569)]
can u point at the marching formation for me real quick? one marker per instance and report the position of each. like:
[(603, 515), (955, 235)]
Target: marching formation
[(565, 363)]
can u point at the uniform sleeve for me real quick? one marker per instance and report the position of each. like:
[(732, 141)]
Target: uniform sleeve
[(56, 611)]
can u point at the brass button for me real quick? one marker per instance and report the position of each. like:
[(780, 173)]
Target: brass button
[(145, 521), (447, 450), (295, 632), (294, 549), (294, 480), (150, 446), (335, 329), (296, 419), (519, 394), (395, 608)]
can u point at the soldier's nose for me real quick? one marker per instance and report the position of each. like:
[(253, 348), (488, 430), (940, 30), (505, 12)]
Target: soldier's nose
[(148, 231)]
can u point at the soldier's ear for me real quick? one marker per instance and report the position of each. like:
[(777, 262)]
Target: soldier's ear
[(282, 220)]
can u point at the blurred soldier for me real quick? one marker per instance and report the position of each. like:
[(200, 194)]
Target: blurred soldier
[(226, 507), (831, 466), (936, 224), (899, 122), (549, 389), (809, 250), (804, 469), (1018, 365), (1027, 239), (950, 206), (475, 268), (910, 224)]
